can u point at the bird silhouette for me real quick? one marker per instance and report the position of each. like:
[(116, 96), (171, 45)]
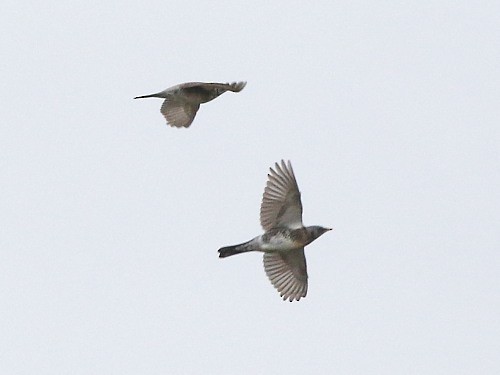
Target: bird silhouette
[(182, 101), (285, 236)]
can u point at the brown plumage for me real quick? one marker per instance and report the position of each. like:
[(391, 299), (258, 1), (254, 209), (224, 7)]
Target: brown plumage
[(182, 101)]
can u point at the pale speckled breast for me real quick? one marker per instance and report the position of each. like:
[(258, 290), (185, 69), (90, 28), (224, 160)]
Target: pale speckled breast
[(280, 239)]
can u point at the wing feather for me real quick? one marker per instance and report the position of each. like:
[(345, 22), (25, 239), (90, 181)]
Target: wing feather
[(179, 113), (281, 205), (287, 271)]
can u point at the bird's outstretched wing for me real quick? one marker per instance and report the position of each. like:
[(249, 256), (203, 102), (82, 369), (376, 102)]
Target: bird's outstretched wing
[(287, 271), (234, 86), (179, 113), (281, 205)]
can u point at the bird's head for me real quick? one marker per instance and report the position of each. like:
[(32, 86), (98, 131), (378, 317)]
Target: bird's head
[(317, 231)]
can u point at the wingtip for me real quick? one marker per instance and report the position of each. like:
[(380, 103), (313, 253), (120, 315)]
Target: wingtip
[(282, 167)]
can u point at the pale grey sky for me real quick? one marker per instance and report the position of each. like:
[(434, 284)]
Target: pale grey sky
[(110, 220)]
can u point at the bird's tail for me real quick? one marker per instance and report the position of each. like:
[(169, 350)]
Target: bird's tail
[(147, 96), (235, 249), (237, 86)]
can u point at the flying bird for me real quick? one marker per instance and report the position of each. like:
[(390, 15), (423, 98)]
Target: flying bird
[(182, 101), (285, 236)]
